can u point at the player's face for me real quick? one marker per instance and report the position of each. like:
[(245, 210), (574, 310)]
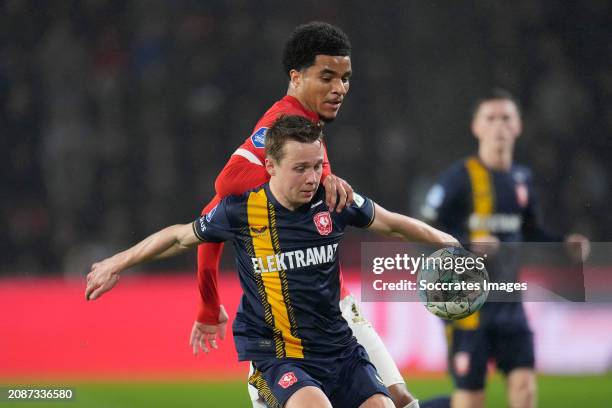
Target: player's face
[(296, 178), (497, 124), (323, 86)]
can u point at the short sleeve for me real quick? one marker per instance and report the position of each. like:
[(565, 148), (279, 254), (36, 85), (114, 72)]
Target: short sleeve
[(446, 205), (442, 198), (360, 213), (215, 226)]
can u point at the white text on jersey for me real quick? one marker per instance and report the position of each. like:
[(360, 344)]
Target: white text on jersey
[(295, 259)]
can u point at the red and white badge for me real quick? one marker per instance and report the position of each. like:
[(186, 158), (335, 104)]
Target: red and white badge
[(323, 222), (287, 380)]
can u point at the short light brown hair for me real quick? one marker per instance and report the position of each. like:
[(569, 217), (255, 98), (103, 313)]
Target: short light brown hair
[(290, 127)]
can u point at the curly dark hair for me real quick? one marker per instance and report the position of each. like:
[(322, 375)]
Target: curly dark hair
[(290, 127), (312, 39)]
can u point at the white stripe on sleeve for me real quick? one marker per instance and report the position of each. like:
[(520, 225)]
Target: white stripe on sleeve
[(248, 155)]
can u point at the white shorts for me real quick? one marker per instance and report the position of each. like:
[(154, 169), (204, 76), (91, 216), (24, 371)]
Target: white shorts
[(367, 337)]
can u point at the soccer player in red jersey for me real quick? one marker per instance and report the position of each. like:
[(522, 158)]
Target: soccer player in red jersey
[(317, 60)]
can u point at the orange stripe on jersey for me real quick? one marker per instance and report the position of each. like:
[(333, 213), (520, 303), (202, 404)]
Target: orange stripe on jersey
[(482, 201), (262, 227), (482, 196)]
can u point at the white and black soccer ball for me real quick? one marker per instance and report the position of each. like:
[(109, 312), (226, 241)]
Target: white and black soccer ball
[(452, 304)]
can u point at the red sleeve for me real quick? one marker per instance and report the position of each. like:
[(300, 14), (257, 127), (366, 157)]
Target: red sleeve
[(209, 254), (240, 175)]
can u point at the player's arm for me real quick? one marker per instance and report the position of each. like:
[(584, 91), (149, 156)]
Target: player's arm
[(533, 229), (209, 308), (168, 242), (446, 202), (364, 213), (338, 193), (243, 171), (396, 225)]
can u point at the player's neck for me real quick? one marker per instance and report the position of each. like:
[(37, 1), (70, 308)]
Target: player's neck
[(282, 200), (292, 92), (499, 160)]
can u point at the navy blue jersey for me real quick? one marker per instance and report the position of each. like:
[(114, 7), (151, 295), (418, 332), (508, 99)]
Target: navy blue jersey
[(469, 200), (288, 267)]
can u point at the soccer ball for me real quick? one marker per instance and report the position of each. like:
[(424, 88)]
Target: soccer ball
[(450, 286)]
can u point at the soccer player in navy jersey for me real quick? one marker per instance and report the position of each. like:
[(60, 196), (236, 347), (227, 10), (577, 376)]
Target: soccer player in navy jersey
[(483, 200), (289, 323)]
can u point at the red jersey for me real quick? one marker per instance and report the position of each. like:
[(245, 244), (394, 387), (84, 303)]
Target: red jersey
[(236, 179), (244, 171)]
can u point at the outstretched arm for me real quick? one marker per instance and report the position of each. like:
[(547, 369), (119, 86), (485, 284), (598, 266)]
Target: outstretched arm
[(168, 242), (396, 225)]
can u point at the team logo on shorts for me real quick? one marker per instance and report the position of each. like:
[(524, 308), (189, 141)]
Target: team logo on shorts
[(259, 138), (323, 222), (287, 380)]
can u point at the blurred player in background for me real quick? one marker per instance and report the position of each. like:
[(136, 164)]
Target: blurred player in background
[(317, 61), (289, 323), (484, 200)]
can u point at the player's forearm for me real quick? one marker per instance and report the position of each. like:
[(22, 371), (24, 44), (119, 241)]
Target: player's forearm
[(411, 229), (168, 242), (170, 252), (104, 275), (208, 277)]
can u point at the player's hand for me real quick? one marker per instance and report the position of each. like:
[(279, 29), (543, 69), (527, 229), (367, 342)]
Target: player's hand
[(338, 193), (485, 245), (448, 239), (103, 277), (439, 237), (579, 247), (204, 336)]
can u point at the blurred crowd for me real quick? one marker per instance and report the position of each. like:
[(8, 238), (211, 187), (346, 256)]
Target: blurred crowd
[(116, 116)]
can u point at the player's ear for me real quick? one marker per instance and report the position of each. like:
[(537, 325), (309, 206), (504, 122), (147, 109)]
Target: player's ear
[(270, 167), (519, 128), (295, 77), (474, 128), (475, 124)]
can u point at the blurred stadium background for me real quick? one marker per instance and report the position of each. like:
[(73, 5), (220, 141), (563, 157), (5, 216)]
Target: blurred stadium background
[(116, 116)]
